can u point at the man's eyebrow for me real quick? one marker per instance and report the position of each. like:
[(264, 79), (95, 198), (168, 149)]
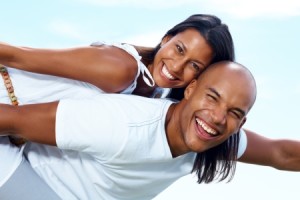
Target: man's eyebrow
[(213, 90)]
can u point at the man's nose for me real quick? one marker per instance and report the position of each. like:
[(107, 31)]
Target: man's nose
[(219, 116)]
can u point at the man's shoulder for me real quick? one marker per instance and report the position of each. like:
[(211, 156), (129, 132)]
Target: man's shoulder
[(132, 106), (135, 100)]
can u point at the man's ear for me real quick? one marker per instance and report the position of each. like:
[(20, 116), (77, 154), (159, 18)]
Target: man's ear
[(190, 89), (243, 122), (165, 39)]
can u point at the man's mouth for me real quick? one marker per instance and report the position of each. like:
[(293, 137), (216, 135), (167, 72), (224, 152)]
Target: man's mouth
[(210, 131)]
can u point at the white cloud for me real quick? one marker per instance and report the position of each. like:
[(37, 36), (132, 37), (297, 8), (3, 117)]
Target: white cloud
[(236, 8)]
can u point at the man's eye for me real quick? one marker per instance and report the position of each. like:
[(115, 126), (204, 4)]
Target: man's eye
[(211, 97), (236, 114)]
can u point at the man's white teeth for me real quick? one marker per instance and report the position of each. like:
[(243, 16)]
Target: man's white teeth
[(205, 127), (167, 73)]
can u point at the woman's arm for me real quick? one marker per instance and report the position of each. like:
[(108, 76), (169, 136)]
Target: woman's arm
[(32, 122), (280, 154), (107, 67)]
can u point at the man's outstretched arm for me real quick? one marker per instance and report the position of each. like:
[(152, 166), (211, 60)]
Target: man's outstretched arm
[(282, 154), (35, 122)]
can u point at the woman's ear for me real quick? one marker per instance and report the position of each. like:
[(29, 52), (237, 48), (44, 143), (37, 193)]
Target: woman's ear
[(190, 89)]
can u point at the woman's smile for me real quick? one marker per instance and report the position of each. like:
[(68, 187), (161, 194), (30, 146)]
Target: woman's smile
[(167, 74)]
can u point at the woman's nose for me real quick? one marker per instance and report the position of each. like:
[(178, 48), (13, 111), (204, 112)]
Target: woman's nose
[(178, 66)]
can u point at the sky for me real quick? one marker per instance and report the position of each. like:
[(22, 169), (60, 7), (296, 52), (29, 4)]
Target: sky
[(266, 36)]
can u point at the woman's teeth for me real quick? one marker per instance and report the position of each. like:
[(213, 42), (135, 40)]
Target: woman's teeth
[(167, 73)]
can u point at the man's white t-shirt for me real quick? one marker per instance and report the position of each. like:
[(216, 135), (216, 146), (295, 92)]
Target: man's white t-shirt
[(111, 147), (119, 150)]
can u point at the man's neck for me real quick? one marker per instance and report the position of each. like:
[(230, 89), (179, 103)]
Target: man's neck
[(173, 130)]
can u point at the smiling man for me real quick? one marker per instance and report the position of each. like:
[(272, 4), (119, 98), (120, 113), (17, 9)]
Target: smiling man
[(214, 107), (130, 147)]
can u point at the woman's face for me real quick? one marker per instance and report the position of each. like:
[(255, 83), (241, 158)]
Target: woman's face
[(180, 59)]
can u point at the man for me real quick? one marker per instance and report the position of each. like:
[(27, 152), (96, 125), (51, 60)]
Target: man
[(126, 147)]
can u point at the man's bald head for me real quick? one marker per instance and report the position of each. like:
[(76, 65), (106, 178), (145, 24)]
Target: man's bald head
[(234, 74)]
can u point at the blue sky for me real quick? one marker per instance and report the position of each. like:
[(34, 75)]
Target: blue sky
[(266, 35)]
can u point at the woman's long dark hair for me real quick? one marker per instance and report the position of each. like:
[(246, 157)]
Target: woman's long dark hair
[(220, 161)]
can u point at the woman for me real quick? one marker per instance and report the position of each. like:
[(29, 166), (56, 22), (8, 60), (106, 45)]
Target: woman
[(113, 68), (184, 52)]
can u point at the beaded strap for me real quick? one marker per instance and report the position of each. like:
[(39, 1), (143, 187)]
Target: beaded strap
[(11, 94), (8, 85)]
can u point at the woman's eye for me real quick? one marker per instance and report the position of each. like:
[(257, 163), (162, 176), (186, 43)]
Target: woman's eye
[(179, 49), (196, 67)]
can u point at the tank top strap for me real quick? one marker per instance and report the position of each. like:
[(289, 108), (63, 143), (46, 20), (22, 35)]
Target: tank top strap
[(142, 69)]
